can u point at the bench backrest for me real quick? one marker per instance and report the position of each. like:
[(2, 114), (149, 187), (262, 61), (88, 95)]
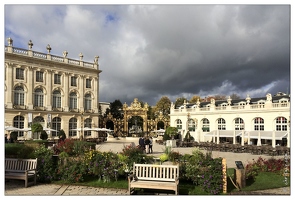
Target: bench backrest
[(156, 172), (20, 164)]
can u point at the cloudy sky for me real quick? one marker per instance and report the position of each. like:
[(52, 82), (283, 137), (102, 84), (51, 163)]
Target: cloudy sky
[(148, 51)]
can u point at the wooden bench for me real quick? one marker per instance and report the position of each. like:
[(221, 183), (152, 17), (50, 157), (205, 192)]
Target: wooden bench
[(152, 176), (21, 169)]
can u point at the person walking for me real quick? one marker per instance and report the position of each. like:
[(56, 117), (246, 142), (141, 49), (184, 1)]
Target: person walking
[(147, 144), (151, 145), (141, 143)]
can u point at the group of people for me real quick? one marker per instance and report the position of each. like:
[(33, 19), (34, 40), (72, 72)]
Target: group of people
[(146, 144)]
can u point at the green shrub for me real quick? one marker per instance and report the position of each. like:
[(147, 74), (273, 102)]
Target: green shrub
[(45, 165), (43, 135), (17, 150)]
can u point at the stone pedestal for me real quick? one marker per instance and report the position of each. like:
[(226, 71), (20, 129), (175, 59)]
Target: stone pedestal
[(171, 143)]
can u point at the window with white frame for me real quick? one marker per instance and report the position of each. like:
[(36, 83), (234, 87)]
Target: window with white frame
[(56, 125), (72, 125), (179, 124), (19, 96), (258, 124), (87, 102), (239, 124), (221, 124), (73, 100), (281, 124), (56, 101), (206, 125), (191, 125), (19, 122), (73, 81), (87, 122), (57, 79), (39, 76), (19, 73), (88, 83), (38, 97)]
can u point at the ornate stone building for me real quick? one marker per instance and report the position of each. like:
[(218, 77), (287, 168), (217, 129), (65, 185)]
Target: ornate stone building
[(264, 120), (58, 92)]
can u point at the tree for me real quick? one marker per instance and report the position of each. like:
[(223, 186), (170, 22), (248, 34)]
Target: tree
[(234, 96), (36, 128), (194, 99), (43, 135), (171, 131), (62, 135), (220, 97), (179, 101), (163, 105), (116, 109)]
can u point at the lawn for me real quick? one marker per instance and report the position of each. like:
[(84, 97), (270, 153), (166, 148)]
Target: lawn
[(264, 180)]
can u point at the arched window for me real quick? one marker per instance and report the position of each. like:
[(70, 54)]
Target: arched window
[(191, 125), (221, 124), (56, 99), (88, 125), (56, 125), (206, 125), (258, 124), (38, 98), (72, 125), (19, 122), (281, 124), (87, 102), (19, 96), (239, 124), (179, 124), (73, 100)]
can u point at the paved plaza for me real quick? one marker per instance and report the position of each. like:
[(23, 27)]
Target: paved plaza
[(16, 187)]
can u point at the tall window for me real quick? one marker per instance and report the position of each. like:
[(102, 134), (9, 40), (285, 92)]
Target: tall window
[(87, 124), (39, 76), (73, 100), (191, 125), (239, 124), (18, 122), (88, 83), (72, 125), (19, 73), (87, 102), (281, 124), (56, 125), (19, 96), (73, 81), (221, 124), (38, 97), (206, 125), (56, 99), (179, 124), (57, 79), (259, 124)]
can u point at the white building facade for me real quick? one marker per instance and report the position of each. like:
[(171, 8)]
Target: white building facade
[(255, 121), (55, 91)]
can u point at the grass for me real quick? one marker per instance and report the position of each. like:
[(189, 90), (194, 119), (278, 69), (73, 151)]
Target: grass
[(264, 180)]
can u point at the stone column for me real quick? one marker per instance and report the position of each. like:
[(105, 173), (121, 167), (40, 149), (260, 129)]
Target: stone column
[(81, 91), (48, 90), (31, 78), (66, 91), (9, 77)]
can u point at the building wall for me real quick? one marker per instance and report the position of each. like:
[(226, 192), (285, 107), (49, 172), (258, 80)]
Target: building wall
[(32, 62), (268, 111)]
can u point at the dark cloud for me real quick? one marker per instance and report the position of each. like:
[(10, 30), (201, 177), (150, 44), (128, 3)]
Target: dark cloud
[(149, 51)]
